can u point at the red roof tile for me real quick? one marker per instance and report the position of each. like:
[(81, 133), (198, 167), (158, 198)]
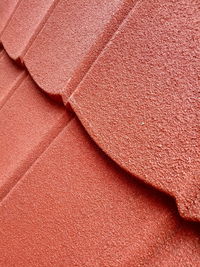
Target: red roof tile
[(28, 122), (6, 9), (10, 77), (24, 25), (70, 41), (140, 99), (74, 207), (63, 202)]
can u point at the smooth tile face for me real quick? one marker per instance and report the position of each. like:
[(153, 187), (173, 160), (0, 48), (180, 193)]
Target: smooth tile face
[(140, 99), (70, 41), (25, 25), (10, 77), (28, 122), (74, 207)]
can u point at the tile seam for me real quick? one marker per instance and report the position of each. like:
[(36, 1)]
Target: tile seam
[(60, 126), (14, 88), (134, 5), (9, 19), (37, 31)]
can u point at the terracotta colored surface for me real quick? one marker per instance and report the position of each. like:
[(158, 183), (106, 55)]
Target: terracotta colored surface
[(74, 207), (70, 41), (6, 9), (28, 122), (10, 77), (24, 25), (1, 49), (63, 202), (140, 100)]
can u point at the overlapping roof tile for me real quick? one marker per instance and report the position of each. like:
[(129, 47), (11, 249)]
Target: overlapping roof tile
[(140, 99), (10, 77), (59, 52), (75, 207), (24, 25), (28, 123), (70, 41), (7, 8), (130, 71)]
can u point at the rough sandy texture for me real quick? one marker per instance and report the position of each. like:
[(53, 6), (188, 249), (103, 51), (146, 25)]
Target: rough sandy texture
[(74, 207), (140, 100), (23, 27), (7, 8), (70, 41), (63, 202), (28, 122), (11, 76)]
